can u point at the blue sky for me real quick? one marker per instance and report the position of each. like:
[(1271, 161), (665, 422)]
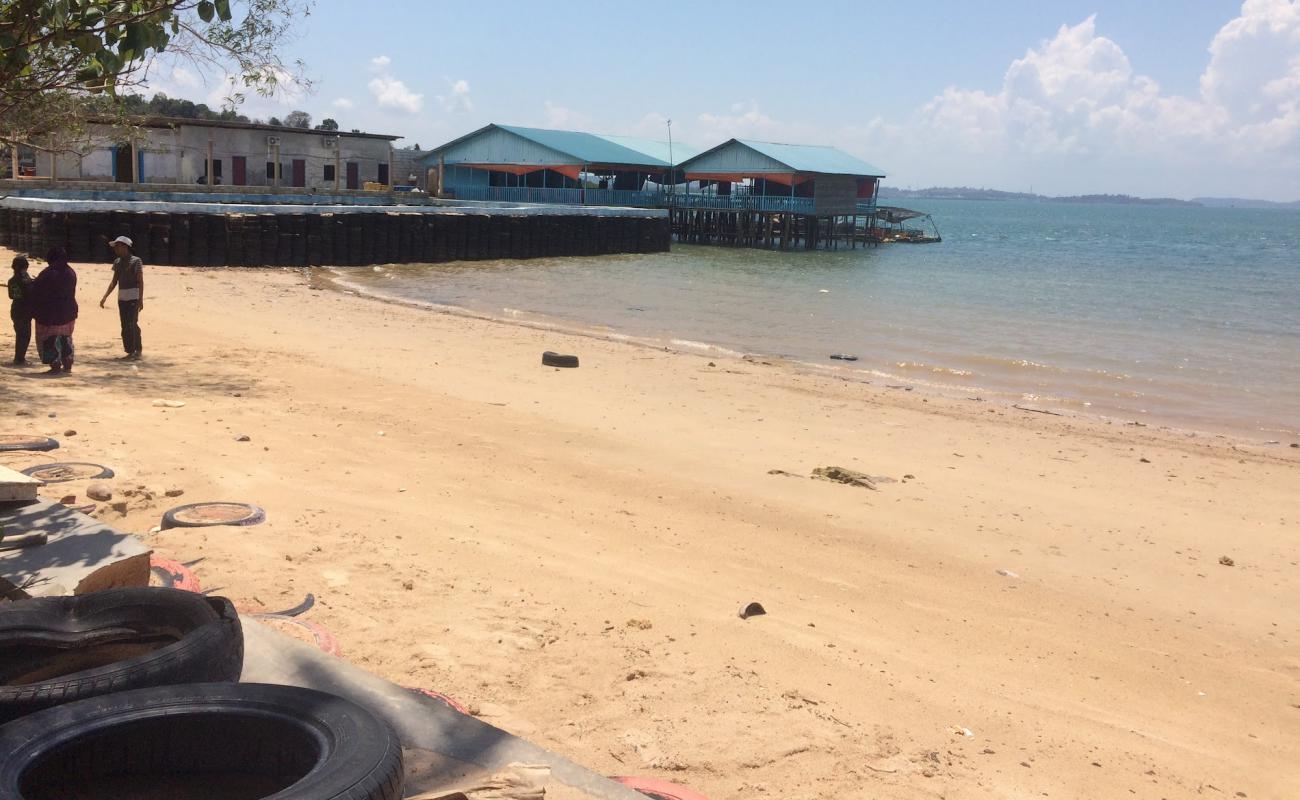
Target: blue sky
[(1200, 97)]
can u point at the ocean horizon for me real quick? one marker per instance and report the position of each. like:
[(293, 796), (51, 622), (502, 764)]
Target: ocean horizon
[(1175, 315)]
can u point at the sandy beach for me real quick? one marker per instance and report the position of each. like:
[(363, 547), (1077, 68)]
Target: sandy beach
[(1033, 606)]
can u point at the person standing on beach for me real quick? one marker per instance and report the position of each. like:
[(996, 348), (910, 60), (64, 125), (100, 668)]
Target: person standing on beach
[(20, 309), (54, 304), (128, 278)]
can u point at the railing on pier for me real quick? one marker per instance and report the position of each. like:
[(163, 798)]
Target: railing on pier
[(516, 194), (638, 198), (622, 197), (742, 202)]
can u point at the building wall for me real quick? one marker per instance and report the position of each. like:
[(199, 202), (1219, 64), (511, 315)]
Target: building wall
[(735, 157), (835, 195), (496, 146), (179, 156)]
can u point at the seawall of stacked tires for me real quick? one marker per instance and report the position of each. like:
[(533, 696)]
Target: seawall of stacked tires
[(329, 239)]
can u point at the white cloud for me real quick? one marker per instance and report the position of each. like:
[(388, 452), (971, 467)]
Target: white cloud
[(1074, 108), (456, 100), (745, 120), (558, 116), (343, 103), (389, 92)]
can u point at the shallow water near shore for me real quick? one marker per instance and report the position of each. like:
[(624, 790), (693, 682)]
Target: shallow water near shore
[(1170, 315)]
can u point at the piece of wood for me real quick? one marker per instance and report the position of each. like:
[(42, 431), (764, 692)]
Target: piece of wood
[(17, 487), (18, 543)]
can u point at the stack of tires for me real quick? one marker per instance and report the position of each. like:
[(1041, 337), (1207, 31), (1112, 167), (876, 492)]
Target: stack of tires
[(134, 693)]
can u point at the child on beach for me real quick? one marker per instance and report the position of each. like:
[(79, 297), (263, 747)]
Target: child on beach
[(128, 278), (20, 308)]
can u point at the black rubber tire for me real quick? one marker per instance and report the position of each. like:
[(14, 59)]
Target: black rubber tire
[(104, 472), (37, 444), (304, 745), (552, 359), (256, 515), (115, 635)]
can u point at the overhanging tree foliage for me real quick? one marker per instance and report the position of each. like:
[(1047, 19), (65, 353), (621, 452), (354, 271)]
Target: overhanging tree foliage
[(62, 60)]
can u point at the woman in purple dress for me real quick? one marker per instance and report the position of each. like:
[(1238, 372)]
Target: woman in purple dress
[(54, 303)]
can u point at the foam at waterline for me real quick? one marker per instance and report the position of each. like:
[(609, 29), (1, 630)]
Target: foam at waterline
[(707, 348), (509, 316)]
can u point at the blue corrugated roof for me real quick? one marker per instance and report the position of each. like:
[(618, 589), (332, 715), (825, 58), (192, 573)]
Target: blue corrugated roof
[(586, 147), (656, 149), (589, 148), (814, 158)]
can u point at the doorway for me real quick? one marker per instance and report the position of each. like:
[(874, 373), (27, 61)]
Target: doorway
[(123, 169), (354, 175), (299, 172), (239, 170)]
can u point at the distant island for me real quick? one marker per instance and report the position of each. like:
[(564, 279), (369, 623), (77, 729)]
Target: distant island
[(967, 193)]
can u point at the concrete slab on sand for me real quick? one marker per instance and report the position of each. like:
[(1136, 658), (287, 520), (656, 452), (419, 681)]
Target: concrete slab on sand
[(81, 555), (445, 751)]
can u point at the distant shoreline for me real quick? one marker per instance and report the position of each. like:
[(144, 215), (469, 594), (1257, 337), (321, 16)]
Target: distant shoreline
[(967, 193)]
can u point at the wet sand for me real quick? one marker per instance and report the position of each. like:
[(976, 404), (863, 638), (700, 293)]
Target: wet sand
[(565, 551)]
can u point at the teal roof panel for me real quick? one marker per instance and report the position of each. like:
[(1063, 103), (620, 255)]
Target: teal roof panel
[(656, 149), (514, 144), (586, 147), (814, 158)]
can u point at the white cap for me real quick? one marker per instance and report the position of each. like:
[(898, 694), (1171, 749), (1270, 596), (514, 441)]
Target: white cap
[(126, 240)]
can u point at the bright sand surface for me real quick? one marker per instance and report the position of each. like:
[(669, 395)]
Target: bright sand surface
[(566, 550)]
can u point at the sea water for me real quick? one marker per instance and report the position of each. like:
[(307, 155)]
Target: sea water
[(1185, 316)]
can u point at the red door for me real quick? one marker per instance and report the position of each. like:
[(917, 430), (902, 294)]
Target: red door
[(299, 172), (240, 166), (354, 175)]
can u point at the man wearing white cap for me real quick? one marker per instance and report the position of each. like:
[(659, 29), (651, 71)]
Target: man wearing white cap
[(128, 279)]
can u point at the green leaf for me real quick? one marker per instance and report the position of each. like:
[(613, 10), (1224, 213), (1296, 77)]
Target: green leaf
[(206, 10), (223, 10)]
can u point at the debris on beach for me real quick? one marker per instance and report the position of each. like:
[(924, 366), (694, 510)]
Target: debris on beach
[(957, 730), (243, 437), (783, 472), (754, 609), (843, 357), (100, 492), (160, 403), (1227, 561), (563, 361), (849, 476), (1006, 573)]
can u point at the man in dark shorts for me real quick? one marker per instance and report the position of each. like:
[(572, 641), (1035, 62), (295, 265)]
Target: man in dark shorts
[(128, 279), (20, 309)]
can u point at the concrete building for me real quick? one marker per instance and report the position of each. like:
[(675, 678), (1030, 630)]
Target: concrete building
[(167, 150)]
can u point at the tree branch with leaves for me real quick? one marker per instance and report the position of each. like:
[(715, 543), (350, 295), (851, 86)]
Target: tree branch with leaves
[(63, 62)]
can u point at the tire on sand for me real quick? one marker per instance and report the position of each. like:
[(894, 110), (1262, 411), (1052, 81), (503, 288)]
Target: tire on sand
[(203, 741), (552, 359), (15, 441), (54, 650), (202, 515)]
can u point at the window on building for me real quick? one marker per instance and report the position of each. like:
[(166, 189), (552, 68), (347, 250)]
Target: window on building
[(270, 170), (329, 172), (383, 173)]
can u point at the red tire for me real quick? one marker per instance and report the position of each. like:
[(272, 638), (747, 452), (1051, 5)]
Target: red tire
[(172, 575), (660, 790), (302, 629), (449, 702)]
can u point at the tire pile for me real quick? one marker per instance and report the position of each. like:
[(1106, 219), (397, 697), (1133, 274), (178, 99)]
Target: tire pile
[(134, 693), (341, 239)]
